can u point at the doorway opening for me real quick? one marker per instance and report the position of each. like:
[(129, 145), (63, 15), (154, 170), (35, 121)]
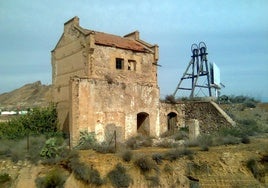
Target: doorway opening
[(171, 121), (143, 123)]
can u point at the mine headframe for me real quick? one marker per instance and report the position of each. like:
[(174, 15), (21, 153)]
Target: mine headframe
[(196, 69)]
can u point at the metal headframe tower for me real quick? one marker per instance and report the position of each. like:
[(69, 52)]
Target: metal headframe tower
[(197, 68)]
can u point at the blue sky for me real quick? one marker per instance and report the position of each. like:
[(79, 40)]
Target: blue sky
[(235, 32)]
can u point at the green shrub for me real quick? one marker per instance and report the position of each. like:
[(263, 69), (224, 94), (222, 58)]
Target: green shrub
[(233, 131), (139, 141), (257, 172), (145, 164), (158, 158), (4, 177), (118, 176), (127, 156), (205, 140), (84, 173), (227, 140), (245, 140), (86, 140), (36, 122), (175, 154), (53, 148), (54, 178), (181, 135), (104, 147), (249, 104)]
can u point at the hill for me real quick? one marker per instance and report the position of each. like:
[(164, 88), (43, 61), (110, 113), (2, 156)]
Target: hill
[(27, 96)]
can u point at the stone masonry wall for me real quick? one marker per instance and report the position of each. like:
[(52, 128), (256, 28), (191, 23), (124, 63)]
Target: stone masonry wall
[(100, 106), (210, 118)]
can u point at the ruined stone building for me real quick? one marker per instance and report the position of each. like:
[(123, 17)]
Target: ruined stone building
[(104, 83)]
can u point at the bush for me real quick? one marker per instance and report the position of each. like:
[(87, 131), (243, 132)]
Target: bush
[(53, 148), (54, 178), (249, 104), (158, 158), (245, 140), (139, 141), (4, 177), (21, 149), (36, 122), (86, 140), (227, 140), (84, 173), (175, 154), (118, 176), (166, 143), (258, 173), (127, 156), (145, 164), (205, 141), (104, 147), (170, 99)]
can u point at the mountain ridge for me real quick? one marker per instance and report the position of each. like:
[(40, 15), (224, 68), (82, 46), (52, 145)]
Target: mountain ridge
[(28, 96)]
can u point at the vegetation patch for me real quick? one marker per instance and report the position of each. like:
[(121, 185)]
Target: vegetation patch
[(36, 122), (84, 173), (4, 177), (257, 172), (177, 153), (127, 155), (54, 178), (139, 141), (118, 176), (86, 140), (145, 164), (158, 158)]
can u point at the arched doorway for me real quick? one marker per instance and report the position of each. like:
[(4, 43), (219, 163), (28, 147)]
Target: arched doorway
[(171, 121), (143, 123)]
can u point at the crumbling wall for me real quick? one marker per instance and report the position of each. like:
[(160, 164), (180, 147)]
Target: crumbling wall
[(137, 67), (166, 109), (100, 106)]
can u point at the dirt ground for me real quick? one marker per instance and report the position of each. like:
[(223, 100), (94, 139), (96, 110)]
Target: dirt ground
[(221, 166)]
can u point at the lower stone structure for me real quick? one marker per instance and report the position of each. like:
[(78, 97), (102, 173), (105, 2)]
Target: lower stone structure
[(103, 107)]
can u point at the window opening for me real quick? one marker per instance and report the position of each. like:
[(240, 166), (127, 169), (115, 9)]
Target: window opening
[(131, 65), (119, 63)]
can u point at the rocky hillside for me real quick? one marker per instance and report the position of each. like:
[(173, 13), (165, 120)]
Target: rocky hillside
[(28, 96)]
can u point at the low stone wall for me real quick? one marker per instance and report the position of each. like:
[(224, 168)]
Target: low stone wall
[(210, 116)]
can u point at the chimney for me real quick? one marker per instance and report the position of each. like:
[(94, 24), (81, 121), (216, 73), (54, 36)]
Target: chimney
[(72, 22), (134, 35)]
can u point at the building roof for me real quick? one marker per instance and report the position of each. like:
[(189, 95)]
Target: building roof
[(111, 40), (129, 42), (119, 42)]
